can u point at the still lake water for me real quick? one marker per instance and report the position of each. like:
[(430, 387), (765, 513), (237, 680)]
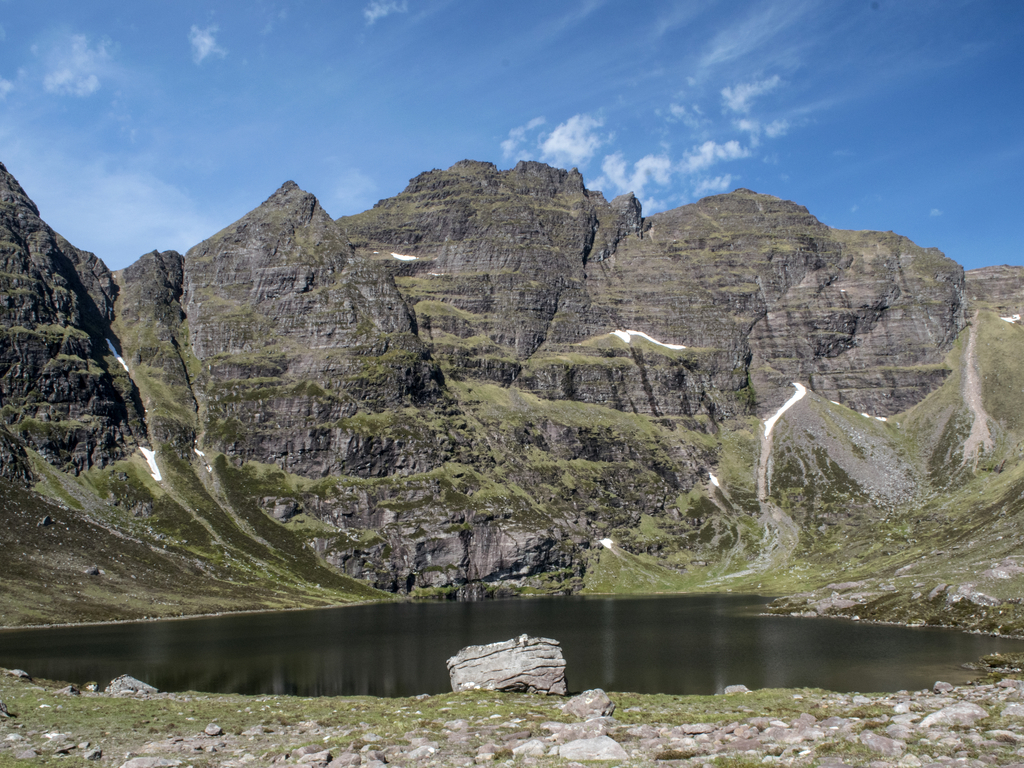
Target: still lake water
[(695, 644)]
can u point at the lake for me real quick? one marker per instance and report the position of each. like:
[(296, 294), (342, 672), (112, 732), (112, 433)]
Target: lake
[(694, 644)]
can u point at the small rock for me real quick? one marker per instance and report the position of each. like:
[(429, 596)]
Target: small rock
[(961, 713), (150, 762), (421, 753), (599, 748), (531, 748), (21, 674), (3, 709), (46, 521), (128, 684), (345, 760), (941, 687), (881, 744), (736, 689), (69, 690), (213, 730), (317, 757), (1013, 710), (93, 754), (92, 570), (589, 704)]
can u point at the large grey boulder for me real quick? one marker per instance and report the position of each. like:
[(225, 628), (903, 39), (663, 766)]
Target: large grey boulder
[(530, 664), (128, 684)]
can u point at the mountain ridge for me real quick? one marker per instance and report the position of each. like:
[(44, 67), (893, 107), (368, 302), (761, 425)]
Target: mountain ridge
[(473, 418)]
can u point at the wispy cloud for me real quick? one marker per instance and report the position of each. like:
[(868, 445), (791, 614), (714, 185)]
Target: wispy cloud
[(6, 86), (75, 68), (935, 212), (378, 9), (758, 30), (573, 142), (709, 153), (738, 98), (204, 43), (651, 168), (713, 186), (512, 147)]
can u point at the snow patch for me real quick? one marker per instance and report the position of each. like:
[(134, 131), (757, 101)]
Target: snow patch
[(627, 336), (714, 480), (1011, 319), (400, 257), (801, 390), (606, 543), (199, 453), (154, 470), (876, 418), (110, 346)]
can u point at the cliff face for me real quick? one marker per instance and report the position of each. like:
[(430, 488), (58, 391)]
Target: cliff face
[(467, 387), (57, 389)]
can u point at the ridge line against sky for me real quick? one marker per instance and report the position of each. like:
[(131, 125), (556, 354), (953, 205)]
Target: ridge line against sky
[(136, 128)]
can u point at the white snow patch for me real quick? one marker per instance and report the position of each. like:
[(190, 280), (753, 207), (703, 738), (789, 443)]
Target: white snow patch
[(400, 257), (437, 274), (835, 402), (801, 390), (606, 543), (110, 346), (199, 453), (714, 480), (1011, 319), (880, 418), (154, 470), (627, 336)]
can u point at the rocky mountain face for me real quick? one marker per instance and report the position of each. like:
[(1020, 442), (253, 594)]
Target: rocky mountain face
[(499, 382)]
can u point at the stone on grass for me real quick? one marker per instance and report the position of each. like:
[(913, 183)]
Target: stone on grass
[(881, 744), (28, 754), (3, 709), (599, 748), (961, 713), (21, 674), (324, 756), (93, 754), (941, 687), (213, 730), (590, 704), (128, 684), (1013, 710), (150, 762), (69, 690), (527, 664), (736, 689), (531, 748)]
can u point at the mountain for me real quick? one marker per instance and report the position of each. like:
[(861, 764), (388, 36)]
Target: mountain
[(499, 382)]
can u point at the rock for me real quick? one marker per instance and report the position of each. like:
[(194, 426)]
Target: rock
[(213, 730), (21, 674), (530, 664), (128, 684), (3, 709), (93, 754), (881, 744), (1013, 710), (961, 713), (736, 689), (941, 687), (324, 756), (27, 754), (531, 748), (589, 704), (421, 752), (92, 570), (150, 762), (599, 748), (70, 690)]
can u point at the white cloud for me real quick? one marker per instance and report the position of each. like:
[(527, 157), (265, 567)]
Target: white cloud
[(573, 142), (6, 86), (709, 153), (776, 128), (713, 185), (378, 9), (935, 212), (3, 33), (75, 68), (204, 43), (738, 98), (511, 147), (656, 168)]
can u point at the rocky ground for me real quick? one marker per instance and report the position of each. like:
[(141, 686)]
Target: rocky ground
[(975, 725)]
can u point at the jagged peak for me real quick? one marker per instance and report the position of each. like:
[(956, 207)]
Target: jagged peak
[(11, 191)]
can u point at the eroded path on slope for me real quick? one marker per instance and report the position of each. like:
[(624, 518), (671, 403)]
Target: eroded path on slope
[(980, 439)]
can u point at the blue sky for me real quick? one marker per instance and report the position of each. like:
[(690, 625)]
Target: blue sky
[(153, 125)]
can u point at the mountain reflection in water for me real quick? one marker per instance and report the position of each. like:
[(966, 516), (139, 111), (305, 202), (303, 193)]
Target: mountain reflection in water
[(695, 644)]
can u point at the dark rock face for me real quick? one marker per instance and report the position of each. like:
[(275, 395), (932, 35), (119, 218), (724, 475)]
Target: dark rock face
[(56, 387), (526, 664), (295, 334), (1000, 288)]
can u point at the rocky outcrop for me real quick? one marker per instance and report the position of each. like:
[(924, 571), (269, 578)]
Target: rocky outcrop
[(58, 391), (527, 664), (128, 684)]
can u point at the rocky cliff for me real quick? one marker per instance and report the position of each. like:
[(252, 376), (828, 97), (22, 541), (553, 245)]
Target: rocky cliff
[(500, 382)]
